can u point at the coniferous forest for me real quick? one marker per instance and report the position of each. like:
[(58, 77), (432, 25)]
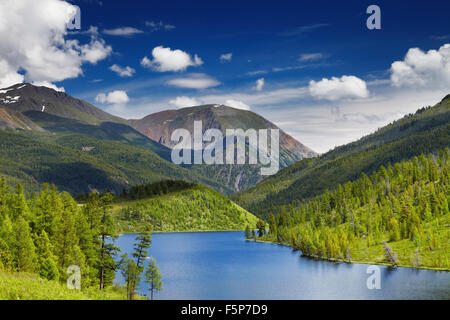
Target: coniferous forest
[(399, 216)]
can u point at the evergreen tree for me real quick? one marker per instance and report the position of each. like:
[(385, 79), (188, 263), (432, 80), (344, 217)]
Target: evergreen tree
[(22, 246), (47, 267), (153, 277)]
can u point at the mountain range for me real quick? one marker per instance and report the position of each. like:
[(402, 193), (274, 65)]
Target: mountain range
[(426, 131), (50, 136), (160, 126)]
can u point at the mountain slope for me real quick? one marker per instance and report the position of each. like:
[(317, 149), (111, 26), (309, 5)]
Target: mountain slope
[(426, 131), (25, 97), (159, 127), (405, 205), (10, 119), (32, 158), (104, 131)]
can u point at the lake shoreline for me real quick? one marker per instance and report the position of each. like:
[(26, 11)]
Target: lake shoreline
[(190, 231), (353, 261)]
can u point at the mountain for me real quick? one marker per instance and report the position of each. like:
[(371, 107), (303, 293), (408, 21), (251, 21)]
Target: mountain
[(159, 127), (428, 130), (25, 97), (77, 146)]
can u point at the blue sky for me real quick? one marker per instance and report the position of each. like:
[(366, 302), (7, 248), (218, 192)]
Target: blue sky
[(271, 51)]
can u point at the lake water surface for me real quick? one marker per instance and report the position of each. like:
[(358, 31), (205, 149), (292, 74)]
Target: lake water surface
[(222, 265)]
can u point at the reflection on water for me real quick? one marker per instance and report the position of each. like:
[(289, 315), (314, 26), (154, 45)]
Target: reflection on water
[(222, 265)]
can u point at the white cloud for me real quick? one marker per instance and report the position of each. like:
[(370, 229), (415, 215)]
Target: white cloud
[(95, 50), (311, 57), (259, 84), (48, 85), (166, 59), (423, 69), (122, 31), (237, 104), (194, 81), (33, 40), (123, 72), (346, 87), (226, 57), (184, 101), (116, 97), (255, 73)]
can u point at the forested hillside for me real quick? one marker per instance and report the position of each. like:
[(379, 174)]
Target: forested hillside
[(399, 215), (170, 206), (427, 130), (80, 163)]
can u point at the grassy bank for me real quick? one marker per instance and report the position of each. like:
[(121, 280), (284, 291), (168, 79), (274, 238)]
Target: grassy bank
[(27, 286)]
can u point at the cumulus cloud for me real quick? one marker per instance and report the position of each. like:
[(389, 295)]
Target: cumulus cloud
[(423, 69), (33, 46), (123, 72), (237, 104), (259, 84), (226, 57), (122, 31), (184, 101), (194, 81), (117, 97), (346, 87), (310, 57), (166, 59)]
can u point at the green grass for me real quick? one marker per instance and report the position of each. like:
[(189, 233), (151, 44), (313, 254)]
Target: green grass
[(194, 209), (436, 259), (25, 286)]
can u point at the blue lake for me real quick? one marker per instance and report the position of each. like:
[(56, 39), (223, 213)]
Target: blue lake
[(222, 265)]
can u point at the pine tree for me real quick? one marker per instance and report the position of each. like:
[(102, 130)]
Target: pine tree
[(22, 246), (106, 229), (47, 267), (143, 242), (129, 272), (153, 277), (6, 259)]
